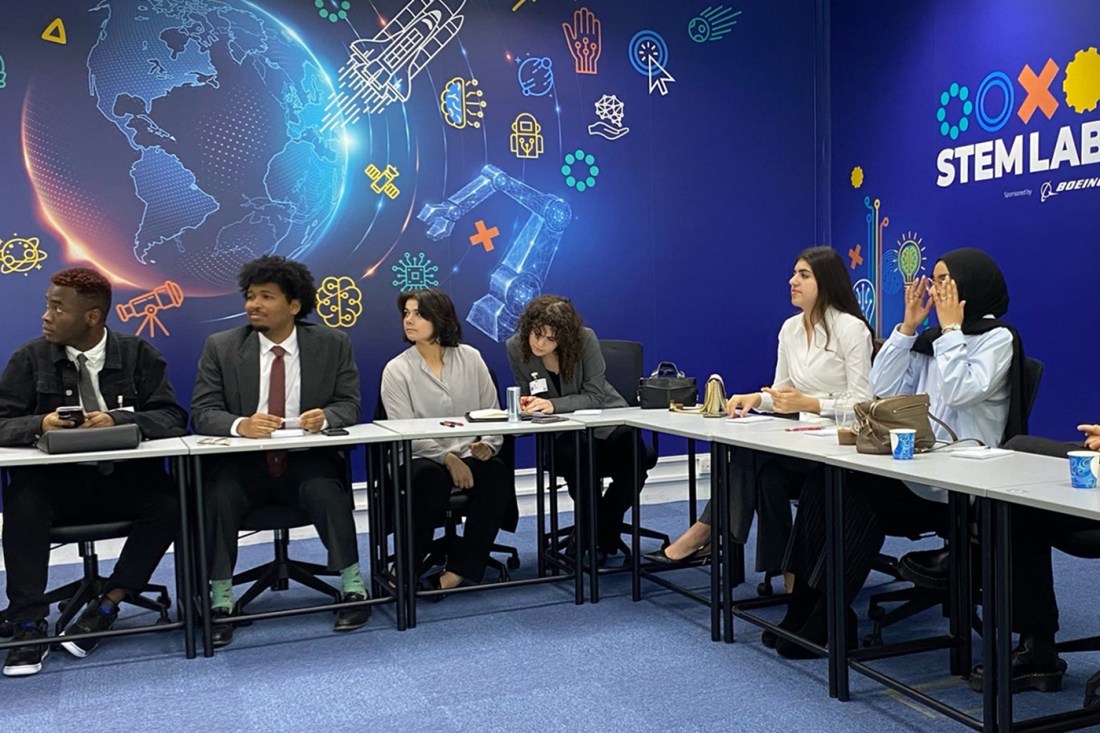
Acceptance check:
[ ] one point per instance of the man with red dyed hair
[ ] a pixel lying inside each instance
(117, 379)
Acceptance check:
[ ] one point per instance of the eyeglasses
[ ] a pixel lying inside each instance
(215, 441)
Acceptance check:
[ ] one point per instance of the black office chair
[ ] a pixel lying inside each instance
(623, 362)
(916, 599)
(456, 509)
(277, 574)
(71, 598)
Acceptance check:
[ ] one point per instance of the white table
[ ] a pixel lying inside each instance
(172, 448)
(408, 430)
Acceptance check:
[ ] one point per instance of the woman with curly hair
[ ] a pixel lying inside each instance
(559, 368)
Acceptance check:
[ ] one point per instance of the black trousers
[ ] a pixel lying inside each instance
(489, 500)
(1034, 533)
(764, 484)
(873, 508)
(314, 480)
(613, 460)
(41, 497)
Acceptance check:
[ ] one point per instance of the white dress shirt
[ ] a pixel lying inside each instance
(292, 370)
(821, 370)
(96, 357)
(966, 380)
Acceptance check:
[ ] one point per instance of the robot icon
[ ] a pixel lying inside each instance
(526, 139)
(519, 276)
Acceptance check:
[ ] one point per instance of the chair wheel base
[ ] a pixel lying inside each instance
(764, 589)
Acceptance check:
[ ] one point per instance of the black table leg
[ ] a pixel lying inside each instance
(407, 545)
(836, 604)
(202, 567)
(730, 558)
(1002, 617)
(591, 493)
(184, 559)
(989, 629)
(635, 529)
(717, 551)
(693, 514)
(540, 492)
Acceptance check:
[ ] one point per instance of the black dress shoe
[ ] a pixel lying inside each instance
(803, 600)
(1035, 666)
(816, 629)
(431, 582)
(1092, 691)
(658, 557)
(926, 569)
(221, 633)
(350, 619)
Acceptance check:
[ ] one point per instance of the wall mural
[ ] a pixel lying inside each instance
(493, 148)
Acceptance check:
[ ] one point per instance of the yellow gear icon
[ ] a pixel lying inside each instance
(1082, 82)
(857, 177)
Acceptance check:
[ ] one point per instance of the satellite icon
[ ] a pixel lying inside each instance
(162, 297)
(379, 70)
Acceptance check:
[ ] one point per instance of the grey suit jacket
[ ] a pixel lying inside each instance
(587, 390)
(227, 385)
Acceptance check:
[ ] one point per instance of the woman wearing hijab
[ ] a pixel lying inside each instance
(971, 367)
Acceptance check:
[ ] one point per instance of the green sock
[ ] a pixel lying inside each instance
(353, 580)
(221, 595)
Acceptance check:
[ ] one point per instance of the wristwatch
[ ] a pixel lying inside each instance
(950, 327)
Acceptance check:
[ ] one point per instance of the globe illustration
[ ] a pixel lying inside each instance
(193, 145)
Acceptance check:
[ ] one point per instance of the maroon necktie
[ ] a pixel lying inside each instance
(276, 405)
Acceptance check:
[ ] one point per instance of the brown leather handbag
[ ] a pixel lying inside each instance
(876, 418)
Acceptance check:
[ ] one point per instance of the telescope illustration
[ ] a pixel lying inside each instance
(148, 305)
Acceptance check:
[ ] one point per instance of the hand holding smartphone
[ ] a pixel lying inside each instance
(73, 413)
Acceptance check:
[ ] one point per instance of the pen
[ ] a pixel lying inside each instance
(803, 429)
(450, 424)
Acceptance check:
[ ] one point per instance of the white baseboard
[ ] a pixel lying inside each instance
(667, 482)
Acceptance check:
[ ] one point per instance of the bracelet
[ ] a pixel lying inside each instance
(950, 327)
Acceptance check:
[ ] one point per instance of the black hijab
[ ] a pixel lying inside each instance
(982, 285)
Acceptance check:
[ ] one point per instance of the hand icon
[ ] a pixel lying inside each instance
(584, 40)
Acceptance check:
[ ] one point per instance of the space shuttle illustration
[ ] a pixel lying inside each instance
(379, 70)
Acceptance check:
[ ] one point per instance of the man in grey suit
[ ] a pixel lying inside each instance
(278, 371)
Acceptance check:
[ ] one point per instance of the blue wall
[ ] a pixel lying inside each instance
(170, 149)
(891, 63)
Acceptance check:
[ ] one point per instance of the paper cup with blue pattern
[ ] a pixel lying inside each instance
(902, 443)
(1084, 466)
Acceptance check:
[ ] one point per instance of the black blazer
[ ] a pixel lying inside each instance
(227, 385)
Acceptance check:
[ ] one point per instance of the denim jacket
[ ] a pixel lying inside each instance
(39, 378)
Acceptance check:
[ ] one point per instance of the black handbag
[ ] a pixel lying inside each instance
(666, 385)
(76, 440)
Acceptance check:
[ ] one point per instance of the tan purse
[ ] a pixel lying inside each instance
(714, 400)
(875, 419)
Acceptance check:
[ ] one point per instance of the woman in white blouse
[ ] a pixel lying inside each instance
(824, 350)
(439, 376)
(971, 367)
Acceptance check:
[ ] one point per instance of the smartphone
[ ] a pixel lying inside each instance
(334, 431)
(72, 412)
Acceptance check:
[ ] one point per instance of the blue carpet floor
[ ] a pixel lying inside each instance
(523, 659)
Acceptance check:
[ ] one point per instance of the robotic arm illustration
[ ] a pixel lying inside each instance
(519, 276)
